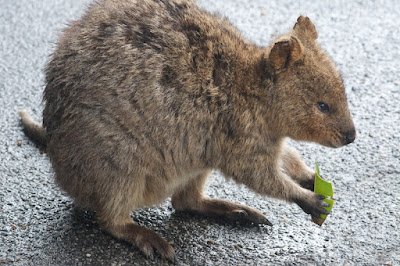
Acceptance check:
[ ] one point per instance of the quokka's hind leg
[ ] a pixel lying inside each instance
(191, 198)
(145, 239)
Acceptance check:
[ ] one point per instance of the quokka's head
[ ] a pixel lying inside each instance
(312, 99)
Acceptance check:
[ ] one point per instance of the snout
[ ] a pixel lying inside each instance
(349, 136)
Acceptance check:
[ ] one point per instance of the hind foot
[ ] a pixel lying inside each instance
(145, 239)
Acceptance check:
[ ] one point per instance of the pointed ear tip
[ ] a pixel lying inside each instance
(304, 24)
(302, 19)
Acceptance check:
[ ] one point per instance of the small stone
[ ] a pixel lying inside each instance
(88, 255)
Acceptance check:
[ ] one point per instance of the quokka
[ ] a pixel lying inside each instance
(144, 99)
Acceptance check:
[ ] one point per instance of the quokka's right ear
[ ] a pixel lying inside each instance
(284, 53)
(305, 29)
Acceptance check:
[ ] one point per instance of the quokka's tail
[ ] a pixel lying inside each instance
(32, 128)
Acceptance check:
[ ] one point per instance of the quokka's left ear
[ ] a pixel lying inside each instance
(285, 52)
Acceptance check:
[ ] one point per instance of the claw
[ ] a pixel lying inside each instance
(321, 197)
(261, 220)
(267, 222)
(172, 259)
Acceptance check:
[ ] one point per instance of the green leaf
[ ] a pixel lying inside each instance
(323, 187)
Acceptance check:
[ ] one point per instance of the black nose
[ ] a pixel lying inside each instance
(349, 137)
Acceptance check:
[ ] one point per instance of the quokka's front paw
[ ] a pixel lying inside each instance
(308, 183)
(313, 205)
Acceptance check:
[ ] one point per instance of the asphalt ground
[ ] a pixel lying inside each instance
(40, 225)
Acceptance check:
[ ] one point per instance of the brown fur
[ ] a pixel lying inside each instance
(145, 98)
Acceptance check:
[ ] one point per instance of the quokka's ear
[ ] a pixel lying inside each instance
(284, 53)
(304, 29)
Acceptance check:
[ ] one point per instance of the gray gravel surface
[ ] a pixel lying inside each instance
(39, 224)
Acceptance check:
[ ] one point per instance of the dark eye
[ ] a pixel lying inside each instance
(323, 107)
